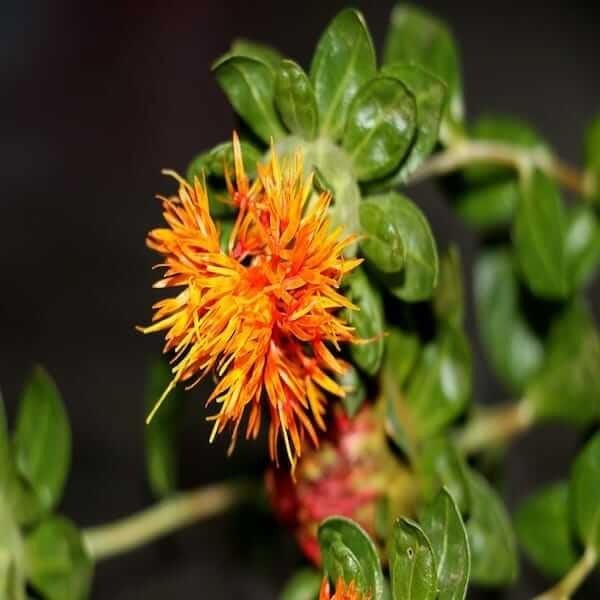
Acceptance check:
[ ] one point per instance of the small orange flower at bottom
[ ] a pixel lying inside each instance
(263, 316)
(343, 591)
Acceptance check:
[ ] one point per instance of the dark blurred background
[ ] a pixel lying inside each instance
(96, 97)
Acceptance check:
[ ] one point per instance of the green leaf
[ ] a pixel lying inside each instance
(430, 94)
(448, 302)
(543, 530)
(161, 434)
(539, 236)
(12, 577)
(412, 563)
(348, 552)
(585, 493)
(381, 126)
(250, 86)
(42, 445)
(440, 387)
(490, 205)
(356, 391)
(582, 246)
(491, 538)
(513, 348)
(402, 351)
(58, 564)
(217, 160)
(344, 60)
(592, 157)
(419, 276)
(568, 385)
(417, 37)
(303, 585)
(6, 473)
(225, 229)
(446, 531)
(367, 320)
(295, 100)
(256, 50)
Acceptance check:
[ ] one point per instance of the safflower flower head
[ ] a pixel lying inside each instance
(343, 591)
(263, 314)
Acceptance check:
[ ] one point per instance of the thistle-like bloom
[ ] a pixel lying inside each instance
(343, 591)
(263, 315)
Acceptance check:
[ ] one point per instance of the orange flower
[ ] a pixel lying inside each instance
(342, 591)
(261, 316)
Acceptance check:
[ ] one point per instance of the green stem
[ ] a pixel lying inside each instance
(565, 588)
(492, 426)
(163, 518)
(464, 152)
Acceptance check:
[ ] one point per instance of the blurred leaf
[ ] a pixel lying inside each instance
(543, 529)
(489, 205)
(161, 434)
(257, 50)
(568, 385)
(418, 278)
(381, 126)
(494, 559)
(582, 246)
(250, 86)
(343, 61)
(430, 96)
(225, 229)
(448, 301)
(446, 531)
(511, 345)
(417, 37)
(355, 391)
(12, 579)
(592, 156)
(440, 387)
(295, 100)
(58, 565)
(412, 564)
(303, 585)
(6, 473)
(42, 444)
(368, 321)
(539, 236)
(585, 493)
(348, 552)
(402, 351)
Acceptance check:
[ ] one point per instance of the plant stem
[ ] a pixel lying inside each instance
(565, 588)
(464, 152)
(163, 518)
(494, 425)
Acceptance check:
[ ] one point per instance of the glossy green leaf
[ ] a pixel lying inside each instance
(412, 563)
(295, 100)
(489, 206)
(543, 530)
(494, 558)
(161, 434)
(257, 50)
(380, 129)
(430, 95)
(356, 391)
(539, 236)
(367, 321)
(12, 559)
(42, 444)
(440, 387)
(568, 385)
(344, 60)
(418, 278)
(348, 552)
(592, 157)
(58, 565)
(443, 524)
(250, 86)
(511, 345)
(448, 302)
(303, 585)
(582, 246)
(585, 493)
(217, 160)
(417, 37)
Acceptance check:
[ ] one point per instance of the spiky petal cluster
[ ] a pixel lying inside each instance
(262, 315)
(343, 591)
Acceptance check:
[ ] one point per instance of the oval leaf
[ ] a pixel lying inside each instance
(303, 585)
(257, 50)
(344, 60)
(489, 206)
(582, 246)
(381, 125)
